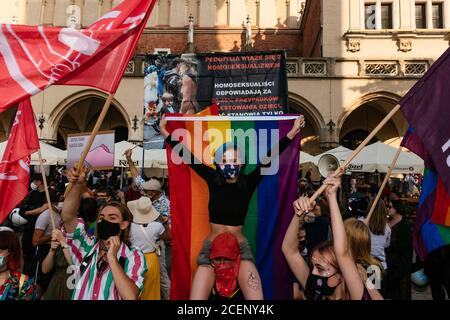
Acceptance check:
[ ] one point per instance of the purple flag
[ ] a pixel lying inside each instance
(427, 108)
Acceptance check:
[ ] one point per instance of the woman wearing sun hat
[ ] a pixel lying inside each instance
(147, 229)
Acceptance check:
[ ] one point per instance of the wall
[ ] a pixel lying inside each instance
(224, 39)
(311, 30)
(344, 34)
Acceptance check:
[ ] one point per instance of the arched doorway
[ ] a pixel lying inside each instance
(357, 122)
(82, 115)
(314, 122)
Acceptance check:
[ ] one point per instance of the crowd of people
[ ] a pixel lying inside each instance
(103, 241)
(44, 253)
(380, 244)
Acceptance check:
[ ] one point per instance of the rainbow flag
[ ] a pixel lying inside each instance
(431, 230)
(429, 234)
(270, 210)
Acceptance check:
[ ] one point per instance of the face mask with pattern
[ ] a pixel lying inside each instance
(230, 171)
(317, 287)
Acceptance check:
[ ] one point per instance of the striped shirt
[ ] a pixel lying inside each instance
(96, 285)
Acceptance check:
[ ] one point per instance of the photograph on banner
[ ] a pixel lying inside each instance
(240, 83)
(101, 154)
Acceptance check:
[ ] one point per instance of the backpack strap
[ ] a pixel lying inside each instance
(88, 259)
(85, 263)
(152, 243)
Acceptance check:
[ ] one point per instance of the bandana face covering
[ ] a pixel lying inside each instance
(226, 277)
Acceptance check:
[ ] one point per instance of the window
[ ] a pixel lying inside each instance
(370, 16)
(161, 51)
(421, 20)
(386, 16)
(437, 16)
(369, 13)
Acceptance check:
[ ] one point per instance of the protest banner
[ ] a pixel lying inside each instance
(100, 155)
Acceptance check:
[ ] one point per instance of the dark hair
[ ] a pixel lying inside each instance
(10, 242)
(308, 190)
(54, 196)
(126, 216)
(174, 63)
(102, 189)
(37, 177)
(129, 181)
(324, 207)
(88, 209)
(399, 206)
(378, 220)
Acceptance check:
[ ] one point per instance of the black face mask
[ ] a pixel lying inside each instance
(100, 202)
(106, 229)
(317, 287)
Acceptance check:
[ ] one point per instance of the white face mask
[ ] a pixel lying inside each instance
(60, 206)
(2, 261)
(33, 186)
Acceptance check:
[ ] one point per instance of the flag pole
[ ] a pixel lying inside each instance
(88, 146)
(358, 150)
(47, 194)
(388, 174)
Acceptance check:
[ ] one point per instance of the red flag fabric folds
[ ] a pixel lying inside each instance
(35, 57)
(15, 165)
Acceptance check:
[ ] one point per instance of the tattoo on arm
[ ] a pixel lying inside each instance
(253, 281)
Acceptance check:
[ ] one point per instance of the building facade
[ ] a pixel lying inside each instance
(349, 61)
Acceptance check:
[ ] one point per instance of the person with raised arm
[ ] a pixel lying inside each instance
(335, 274)
(110, 268)
(230, 193)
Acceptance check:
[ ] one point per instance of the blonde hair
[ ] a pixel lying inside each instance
(167, 96)
(186, 67)
(378, 219)
(358, 241)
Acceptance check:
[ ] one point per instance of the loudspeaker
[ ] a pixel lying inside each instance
(327, 163)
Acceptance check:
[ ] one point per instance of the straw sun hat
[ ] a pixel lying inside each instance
(143, 210)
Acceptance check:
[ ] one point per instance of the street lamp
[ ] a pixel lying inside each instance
(41, 121)
(135, 122)
(331, 126)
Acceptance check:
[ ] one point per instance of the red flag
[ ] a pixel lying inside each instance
(15, 165)
(35, 57)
